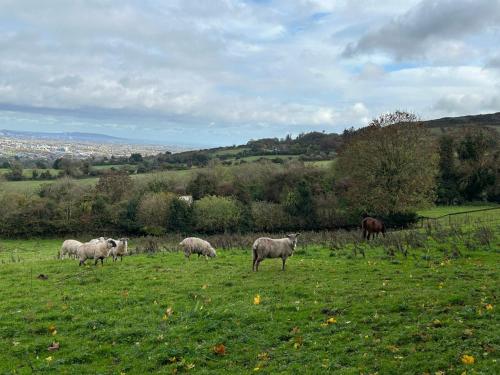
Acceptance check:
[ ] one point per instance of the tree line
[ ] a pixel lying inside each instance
(388, 169)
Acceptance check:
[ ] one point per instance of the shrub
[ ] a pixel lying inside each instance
(270, 217)
(153, 212)
(216, 214)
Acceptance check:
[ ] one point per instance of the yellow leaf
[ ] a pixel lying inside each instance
(49, 359)
(256, 369)
(468, 359)
(204, 286)
(489, 307)
(331, 320)
(256, 299)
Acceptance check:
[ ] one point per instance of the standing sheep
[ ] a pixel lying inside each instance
(97, 240)
(197, 246)
(120, 250)
(69, 248)
(95, 251)
(265, 247)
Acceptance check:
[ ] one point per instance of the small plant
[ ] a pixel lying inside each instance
(484, 235)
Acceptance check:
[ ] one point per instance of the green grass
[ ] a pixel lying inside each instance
(30, 186)
(445, 210)
(393, 315)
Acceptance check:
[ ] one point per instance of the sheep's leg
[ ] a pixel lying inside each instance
(102, 261)
(257, 262)
(253, 263)
(121, 258)
(283, 266)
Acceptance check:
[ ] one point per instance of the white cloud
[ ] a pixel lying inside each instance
(230, 70)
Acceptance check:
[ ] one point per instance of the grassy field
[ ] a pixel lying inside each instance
(432, 311)
(445, 210)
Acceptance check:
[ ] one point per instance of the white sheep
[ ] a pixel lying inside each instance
(265, 247)
(198, 246)
(97, 240)
(120, 250)
(69, 248)
(95, 251)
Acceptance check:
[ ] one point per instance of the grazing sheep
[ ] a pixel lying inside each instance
(69, 248)
(120, 250)
(265, 247)
(95, 251)
(97, 240)
(197, 246)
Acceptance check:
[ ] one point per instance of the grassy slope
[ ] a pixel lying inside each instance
(401, 316)
(32, 186)
(445, 210)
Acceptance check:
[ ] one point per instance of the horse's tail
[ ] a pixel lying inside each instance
(363, 224)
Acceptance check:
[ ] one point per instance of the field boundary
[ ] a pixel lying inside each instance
(422, 218)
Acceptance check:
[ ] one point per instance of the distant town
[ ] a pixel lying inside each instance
(29, 146)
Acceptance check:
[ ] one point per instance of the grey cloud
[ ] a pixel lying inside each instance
(428, 23)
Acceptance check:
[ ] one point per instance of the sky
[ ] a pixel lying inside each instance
(221, 72)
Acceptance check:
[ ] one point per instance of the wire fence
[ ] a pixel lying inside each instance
(464, 217)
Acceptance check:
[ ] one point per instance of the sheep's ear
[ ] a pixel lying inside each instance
(298, 234)
(113, 243)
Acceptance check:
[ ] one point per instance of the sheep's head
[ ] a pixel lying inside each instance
(110, 243)
(212, 253)
(293, 238)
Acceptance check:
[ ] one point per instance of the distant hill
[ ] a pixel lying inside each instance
(308, 147)
(488, 120)
(66, 136)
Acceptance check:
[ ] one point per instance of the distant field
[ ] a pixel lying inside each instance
(444, 210)
(31, 186)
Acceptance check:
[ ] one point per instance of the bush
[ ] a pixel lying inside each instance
(154, 211)
(216, 214)
(270, 217)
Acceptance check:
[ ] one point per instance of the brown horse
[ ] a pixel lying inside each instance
(372, 226)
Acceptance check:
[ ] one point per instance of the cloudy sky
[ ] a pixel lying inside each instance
(223, 71)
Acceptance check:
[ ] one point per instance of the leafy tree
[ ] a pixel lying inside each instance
(180, 216)
(114, 186)
(478, 155)
(391, 165)
(203, 184)
(448, 178)
(136, 158)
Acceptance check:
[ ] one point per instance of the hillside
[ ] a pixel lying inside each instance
(490, 120)
(316, 146)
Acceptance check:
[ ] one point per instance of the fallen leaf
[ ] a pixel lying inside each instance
(489, 307)
(256, 299)
(53, 347)
(264, 356)
(52, 329)
(219, 349)
(468, 359)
